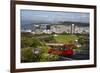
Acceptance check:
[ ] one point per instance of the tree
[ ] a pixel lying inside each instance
(26, 42)
(50, 38)
(47, 57)
(36, 42)
(64, 33)
(27, 55)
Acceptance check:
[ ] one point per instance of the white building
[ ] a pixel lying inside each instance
(80, 29)
(26, 30)
(69, 29)
(60, 28)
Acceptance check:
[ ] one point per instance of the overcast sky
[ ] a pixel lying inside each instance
(35, 16)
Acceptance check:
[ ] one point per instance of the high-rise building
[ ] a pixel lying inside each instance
(72, 28)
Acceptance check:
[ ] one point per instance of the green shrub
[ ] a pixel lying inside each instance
(36, 42)
(26, 42)
(27, 55)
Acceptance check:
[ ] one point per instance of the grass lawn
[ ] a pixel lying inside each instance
(60, 38)
(65, 38)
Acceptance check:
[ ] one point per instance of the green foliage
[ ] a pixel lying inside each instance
(49, 38)
(53, 57)
(27, 55)
(53, 33)
(26, 42)
(36, 42)
(47, 57)
(83, 40)
(26, 34)
(64, 33)
(44, 54)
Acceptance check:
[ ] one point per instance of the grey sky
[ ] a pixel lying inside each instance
(35, 16)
